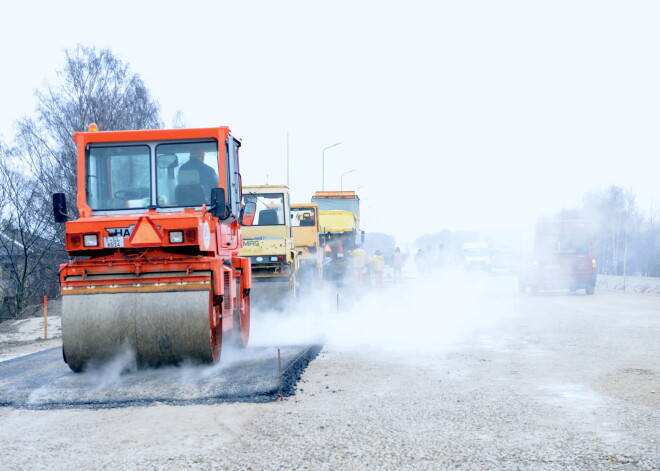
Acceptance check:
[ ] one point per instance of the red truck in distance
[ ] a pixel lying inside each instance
(559, 255)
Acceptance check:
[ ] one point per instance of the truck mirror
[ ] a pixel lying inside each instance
(168, 160)
(59, 208)
(247, 213)
(219, 204)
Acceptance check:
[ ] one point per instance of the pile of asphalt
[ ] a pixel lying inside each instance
(43, 381)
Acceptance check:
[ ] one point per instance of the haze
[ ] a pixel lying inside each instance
(457, 115)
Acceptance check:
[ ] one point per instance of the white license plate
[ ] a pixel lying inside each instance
(113, 242)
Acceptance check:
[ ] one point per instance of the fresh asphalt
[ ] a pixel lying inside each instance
(43, 381)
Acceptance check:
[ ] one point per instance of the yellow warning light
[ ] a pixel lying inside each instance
(92, 127)
(145, 234)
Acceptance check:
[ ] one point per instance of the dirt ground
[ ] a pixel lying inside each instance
(470, 377)
(26, 334)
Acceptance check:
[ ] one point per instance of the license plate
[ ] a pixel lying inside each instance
(113, 242)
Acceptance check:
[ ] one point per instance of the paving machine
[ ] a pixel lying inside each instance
(155, 268)
(268, 242)
(339, 226)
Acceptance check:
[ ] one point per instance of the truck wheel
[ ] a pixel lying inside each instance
(590, 289)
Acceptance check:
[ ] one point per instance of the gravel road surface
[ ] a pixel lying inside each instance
(448, 372)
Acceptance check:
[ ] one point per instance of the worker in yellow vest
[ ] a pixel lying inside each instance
(359, 263)
(378, 266)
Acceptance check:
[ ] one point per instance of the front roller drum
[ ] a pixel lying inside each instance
(159, 328)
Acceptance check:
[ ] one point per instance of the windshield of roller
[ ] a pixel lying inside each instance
(186, 173)
(303, 217)
(269, 209)
(118, 177)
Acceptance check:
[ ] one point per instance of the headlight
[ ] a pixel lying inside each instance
(273, 259)
(259, 259)
(90, 240)
(176, 237)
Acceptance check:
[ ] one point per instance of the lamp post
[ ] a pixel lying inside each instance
(323, 165)
(341, 179)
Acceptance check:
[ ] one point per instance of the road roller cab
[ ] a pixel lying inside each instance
(268, 242)
(156, 266)
(305, 229)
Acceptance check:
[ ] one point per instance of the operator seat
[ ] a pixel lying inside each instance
(189, 192)
(268, 217)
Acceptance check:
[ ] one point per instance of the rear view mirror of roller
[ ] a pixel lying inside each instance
(219, 203)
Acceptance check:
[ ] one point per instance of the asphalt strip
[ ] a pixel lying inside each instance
(43, 381)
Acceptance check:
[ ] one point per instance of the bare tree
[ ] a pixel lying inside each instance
(178, 121)
(613, 213)
(28, 248)
(93, 86)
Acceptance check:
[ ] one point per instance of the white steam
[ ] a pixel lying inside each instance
(418, 314)
(109, 372)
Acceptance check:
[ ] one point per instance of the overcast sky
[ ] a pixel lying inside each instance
(453, 114)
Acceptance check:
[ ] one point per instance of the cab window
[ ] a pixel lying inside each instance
(269, 208)
(118, 177)
(303, 217)
(186, 173)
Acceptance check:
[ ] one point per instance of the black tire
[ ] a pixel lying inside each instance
(590, 289)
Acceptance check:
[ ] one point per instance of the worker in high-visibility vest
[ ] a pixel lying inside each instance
(378, 266)
(359, 263)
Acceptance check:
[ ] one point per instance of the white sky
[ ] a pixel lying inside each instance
(454, 114)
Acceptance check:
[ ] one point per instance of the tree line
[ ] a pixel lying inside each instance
(627, 241)
(93, 86)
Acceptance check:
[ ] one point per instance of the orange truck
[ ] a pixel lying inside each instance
(155, 269)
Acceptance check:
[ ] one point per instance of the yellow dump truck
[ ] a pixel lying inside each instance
(339, 229)
(268, 242)
(305, 227)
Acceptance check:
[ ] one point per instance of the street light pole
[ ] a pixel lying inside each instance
(341, 179)
(323, 165)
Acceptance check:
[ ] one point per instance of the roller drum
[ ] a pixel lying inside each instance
(161, 328)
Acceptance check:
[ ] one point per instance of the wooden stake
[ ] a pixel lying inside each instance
(45, 317)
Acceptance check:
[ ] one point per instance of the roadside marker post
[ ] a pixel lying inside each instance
(45, 317)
